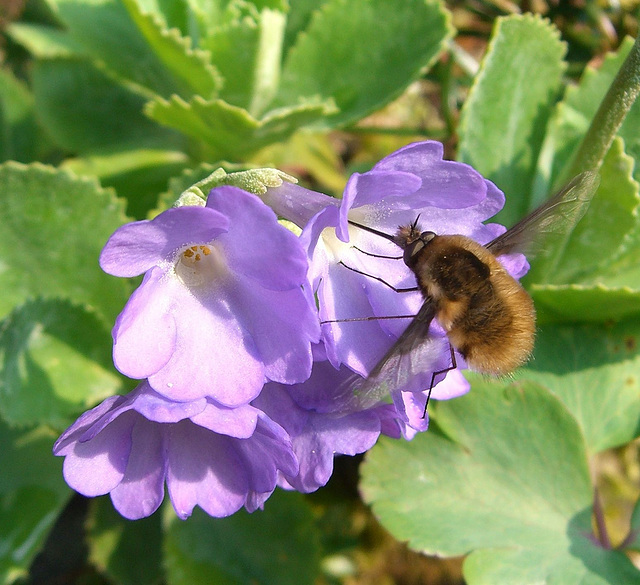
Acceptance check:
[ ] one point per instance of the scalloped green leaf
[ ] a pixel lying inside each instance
(136, 175)
(600, 235)
(402, 39)
(504, 119)
(575, 112)
(247, 50)
(229, 132)
(53, 228)
(32, 493)
(590, 303)
(55, 360)
(216, 551)
(191, 67)
(136, 48)
(594, 369)
(87, 111)
(502, 473)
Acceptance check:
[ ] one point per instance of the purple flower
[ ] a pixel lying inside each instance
(319, 427)
(221, 309)
(208, 455)
(352, 271)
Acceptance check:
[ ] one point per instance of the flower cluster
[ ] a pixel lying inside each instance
(248, 339)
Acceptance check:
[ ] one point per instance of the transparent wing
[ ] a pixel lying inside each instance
(406, 359)
(556, 216)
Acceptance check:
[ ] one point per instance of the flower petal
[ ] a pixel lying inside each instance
(141, 490)
(256, 245)
(135, 247)
(144, 334)
(211, 476)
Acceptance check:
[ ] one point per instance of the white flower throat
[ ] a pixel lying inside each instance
(201, 265)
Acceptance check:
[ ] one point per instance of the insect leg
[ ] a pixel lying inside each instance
(376, 255)
(453, 366)
(399, 290)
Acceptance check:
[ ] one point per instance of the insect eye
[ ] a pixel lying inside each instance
(426, 237)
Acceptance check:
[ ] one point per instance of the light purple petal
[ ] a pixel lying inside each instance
(135, 247)
(239, 422)
(256, 245)
(96, 467)
(155, 407)
(445, 184)
(145, 332)
(214, 356)
(282, 327)
(211, 476)
(296, 203)
(67, 440)
(326, 436)
(141, 490)
(373, 187)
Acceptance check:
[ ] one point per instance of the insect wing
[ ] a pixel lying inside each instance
(407, 363)
(556, 217)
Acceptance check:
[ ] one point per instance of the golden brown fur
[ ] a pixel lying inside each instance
(488, 316)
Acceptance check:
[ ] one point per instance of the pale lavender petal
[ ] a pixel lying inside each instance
(210, 476)
(155, 407)
(239, 422)
(287, 354)
(446, 184)
(136, 247)
(271, 254)
(145, 332)
(96, 467)
(373, 187)
(326, 436)
(214, 356)
(141, 490)
(453, 385)
(67, 440)
(296, 203)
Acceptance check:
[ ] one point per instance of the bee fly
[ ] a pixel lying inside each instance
(487, 315)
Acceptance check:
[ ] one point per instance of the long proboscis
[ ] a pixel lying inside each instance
(374, 231)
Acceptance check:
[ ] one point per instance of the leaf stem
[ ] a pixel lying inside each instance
(610, 115)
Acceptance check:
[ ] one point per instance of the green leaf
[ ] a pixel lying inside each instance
(247, 49)
(584, 303)
(503, 472)
(129, 552)
(191, 69)
(32, 493)
(229, 132)
(20, 138)
(600, 234)
(276, 546)
(87, 111)
(136, 175)
(504, 119)
(54, 226)
(45, 42)
(55, 360)
(594, 370)
(137, 47)
(328, 60)
(574, 113)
